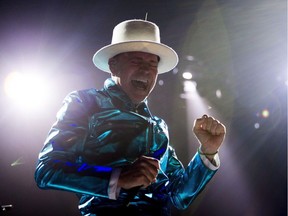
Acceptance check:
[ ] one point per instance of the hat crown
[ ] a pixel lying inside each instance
(136, 35)
(135, 30)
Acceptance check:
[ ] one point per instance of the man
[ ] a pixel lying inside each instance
(111, 151)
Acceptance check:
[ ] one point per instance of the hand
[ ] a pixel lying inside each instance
(142, 172)
(210, 133)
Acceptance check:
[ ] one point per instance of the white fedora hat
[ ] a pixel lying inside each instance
(136, 35)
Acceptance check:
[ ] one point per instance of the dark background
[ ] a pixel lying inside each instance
(238, 47)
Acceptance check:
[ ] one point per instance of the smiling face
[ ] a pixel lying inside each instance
(136, 73)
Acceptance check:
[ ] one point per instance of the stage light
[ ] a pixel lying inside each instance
(190, 58)
(218, 93)
(189, 86)
(27, 90)
(187, 75)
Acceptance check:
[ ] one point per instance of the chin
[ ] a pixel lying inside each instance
(138, 100)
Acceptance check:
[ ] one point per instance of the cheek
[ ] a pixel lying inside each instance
(153, 84)
(155, 78)
(124, 82)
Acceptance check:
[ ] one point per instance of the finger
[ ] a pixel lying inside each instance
(220, 129)
(146, 177)
(153, 161)
(147, 167)
(198, 123)
(207, 123)
(214, 126)
(137, 177)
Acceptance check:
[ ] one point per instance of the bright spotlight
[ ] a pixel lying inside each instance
(26, 90)
(218, 93)
(12, 82)
(189, 86)
(187, 75)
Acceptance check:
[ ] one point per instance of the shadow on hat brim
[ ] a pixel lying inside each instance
(168, 57)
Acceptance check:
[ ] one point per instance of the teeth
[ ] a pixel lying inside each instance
(142, 80)
(140, 83)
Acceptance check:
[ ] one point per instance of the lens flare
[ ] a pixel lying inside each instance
(265, 113)
(26, 90)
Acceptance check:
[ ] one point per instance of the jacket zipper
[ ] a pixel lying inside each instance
(150, 137)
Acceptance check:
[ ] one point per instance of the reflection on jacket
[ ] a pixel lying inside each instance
(98, 130)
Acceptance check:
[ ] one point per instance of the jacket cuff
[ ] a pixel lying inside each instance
(208, 163)
(113, 190)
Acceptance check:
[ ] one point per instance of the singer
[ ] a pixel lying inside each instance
(107, 147)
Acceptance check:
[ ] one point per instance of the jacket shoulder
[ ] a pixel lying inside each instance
(87, 96)
(89, 99)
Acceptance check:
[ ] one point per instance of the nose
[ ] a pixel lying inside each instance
(145, 67)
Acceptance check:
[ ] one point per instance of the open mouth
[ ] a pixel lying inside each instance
(140, 84)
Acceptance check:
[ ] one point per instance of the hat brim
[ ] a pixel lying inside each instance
(168, 57)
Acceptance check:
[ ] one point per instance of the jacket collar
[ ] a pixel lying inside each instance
(121, 100)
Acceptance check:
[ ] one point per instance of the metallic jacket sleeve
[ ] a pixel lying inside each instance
(186, 183)
(60, 164)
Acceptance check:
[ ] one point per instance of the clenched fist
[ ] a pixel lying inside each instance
(142, 173)
(210, 133)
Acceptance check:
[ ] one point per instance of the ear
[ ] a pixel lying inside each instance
(112, 65)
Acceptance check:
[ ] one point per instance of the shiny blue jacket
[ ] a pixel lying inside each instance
(98, 130)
